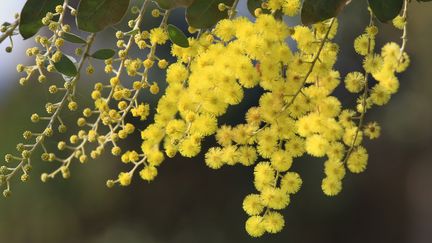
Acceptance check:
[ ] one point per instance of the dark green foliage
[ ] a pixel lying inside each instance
(66, 66)
(205, 13)
(177, 36)
(103, 54)
(386, 10)
(32, 14)
(96, 15)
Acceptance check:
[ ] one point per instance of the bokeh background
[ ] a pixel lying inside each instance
(188, 202)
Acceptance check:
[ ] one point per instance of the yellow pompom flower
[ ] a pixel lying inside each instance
(291, 182)
(275, 4)
(391, 52)
(291, 7)
(281, 160)
(399, 22)
(142, 111)
(229, 155)
(373, 63)
(380, 95)
(316, 145)
(225, 30)
(189, 147)
(176, 128)
(355, 82)
(155, 157)
(372, 130)
(353, 136)
(252, 204)
(176, 73)
(254, 226)
(273, 222)
(204, 125)
(224, 135)
(331, 186)
(336, 151)
(363, 44)
(264, 175)
(125, 178)
(247, 155)
(274, 198)
(158, 36)
(333, 168)
(357, 161)
(148, 173)
(295, 146)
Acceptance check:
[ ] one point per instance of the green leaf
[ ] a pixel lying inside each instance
(103, 54)
(72, 38)
(66, 66)
(177, 36)
(386, 10)
(314, 11)
(205, 13)
(95, 15)
(32, 14)
(170, 4)
(132, 32)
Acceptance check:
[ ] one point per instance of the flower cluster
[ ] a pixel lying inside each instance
(298, 114)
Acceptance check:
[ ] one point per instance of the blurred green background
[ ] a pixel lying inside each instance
(188, 202)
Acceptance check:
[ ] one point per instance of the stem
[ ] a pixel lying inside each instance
(405, 30)
(233, 9)
(10, 30)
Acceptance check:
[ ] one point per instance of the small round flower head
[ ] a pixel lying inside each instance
(372, 130)
(155, 13)
(73, 106)
(148, 173)
(158, 36)
(162, 64)
(331, 186)
(254, 226)
(357, 161)
(273, 222)
(291, 182)
(154, 88)
(316, 145)
(189, 147)
(155, 157)
(353, 136)
(373, 63)
(125, 178)
(213, 158)
(333, 168)
(252, 204)
(399, 22)
(116, 151)
(363, 44)
(380, 95)
(264, 173)
(291, 7)
(281, 160)
(354, 82)
(274, 198)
